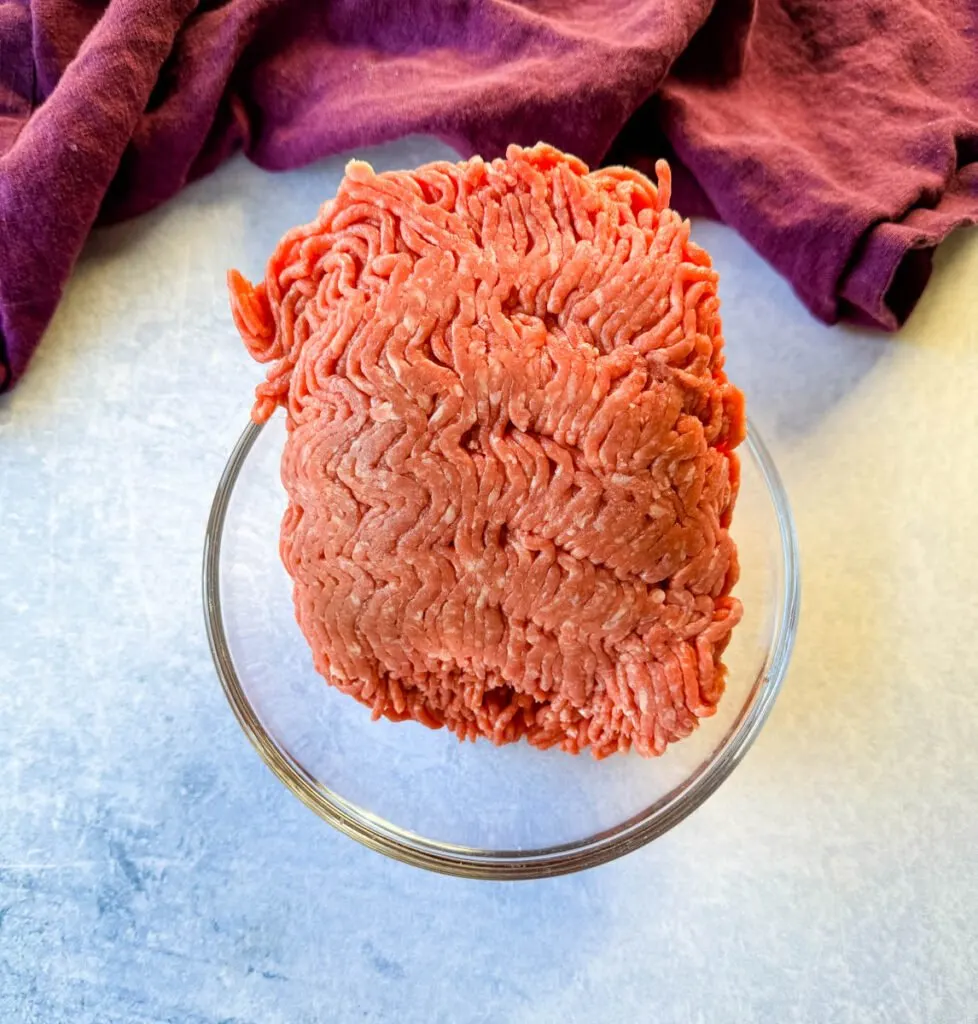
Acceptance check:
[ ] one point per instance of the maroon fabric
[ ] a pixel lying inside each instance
(840, 137)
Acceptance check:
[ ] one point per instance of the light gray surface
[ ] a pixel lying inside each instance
(152, 869)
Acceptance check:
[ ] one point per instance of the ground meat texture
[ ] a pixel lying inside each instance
(509, 462)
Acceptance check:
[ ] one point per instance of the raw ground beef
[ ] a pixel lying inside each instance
(510, 459)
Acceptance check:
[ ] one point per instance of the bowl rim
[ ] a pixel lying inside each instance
(409, 847)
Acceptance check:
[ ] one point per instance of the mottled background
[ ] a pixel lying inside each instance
(151, 867)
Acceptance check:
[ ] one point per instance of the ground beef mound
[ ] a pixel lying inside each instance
(509, 458)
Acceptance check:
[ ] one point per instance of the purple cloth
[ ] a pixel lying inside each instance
(840, 137)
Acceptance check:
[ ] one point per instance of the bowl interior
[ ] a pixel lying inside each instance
(406, 779)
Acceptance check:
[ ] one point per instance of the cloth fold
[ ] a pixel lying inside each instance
(840, 137)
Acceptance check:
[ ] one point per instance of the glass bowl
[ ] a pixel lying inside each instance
(473, 809)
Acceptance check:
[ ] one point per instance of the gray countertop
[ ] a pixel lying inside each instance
(152, 868)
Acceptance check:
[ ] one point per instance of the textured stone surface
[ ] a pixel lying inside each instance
(152, 869)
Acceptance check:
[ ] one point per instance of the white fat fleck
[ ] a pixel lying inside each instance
(450, 514)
